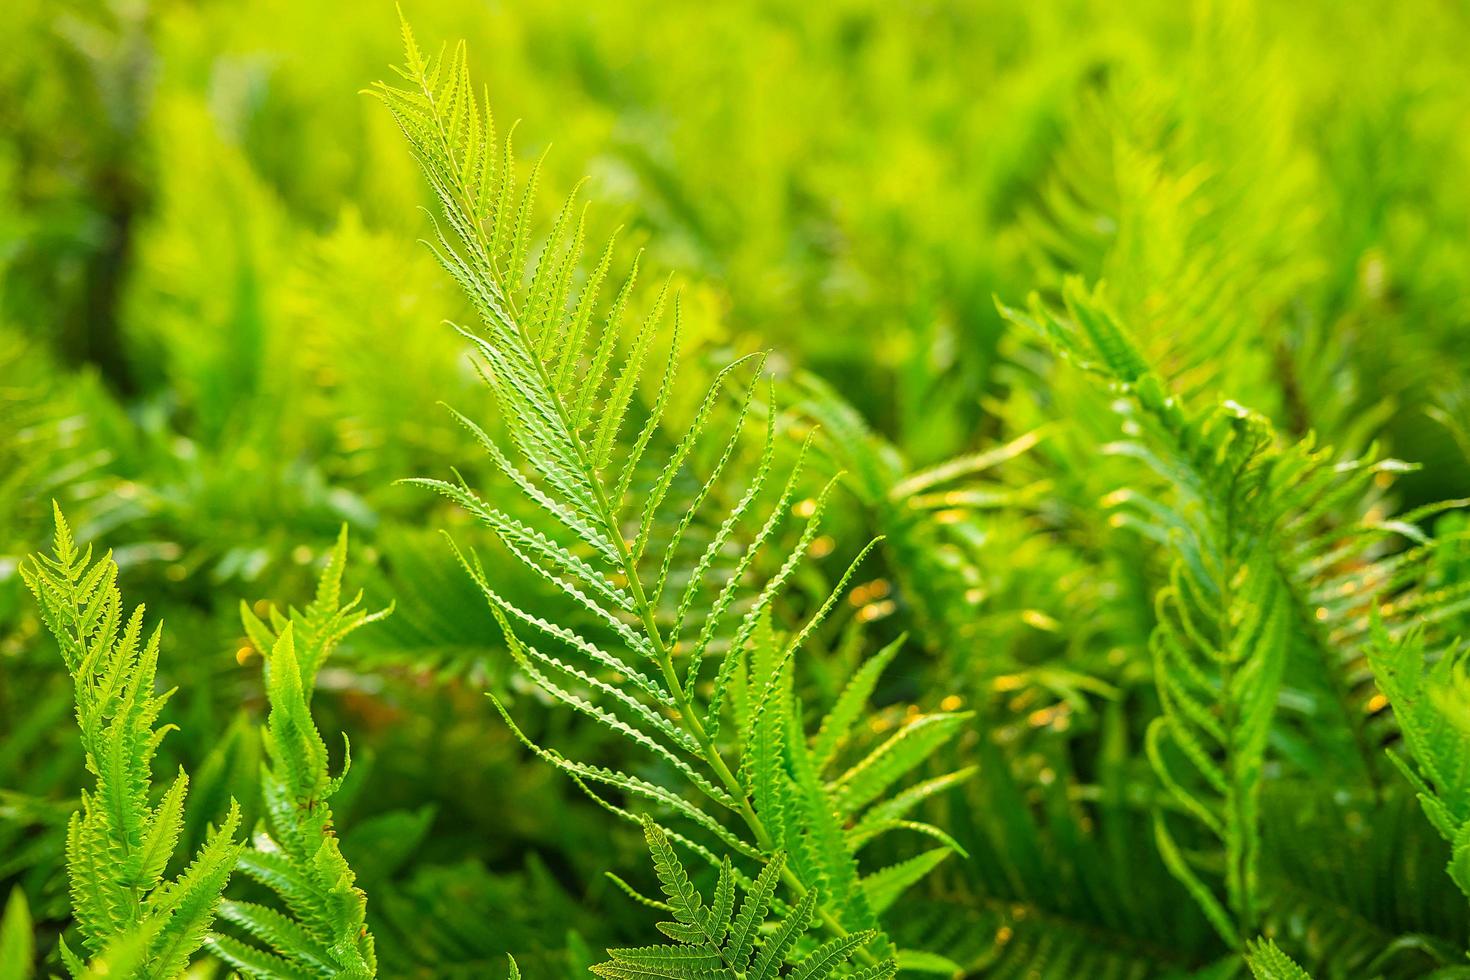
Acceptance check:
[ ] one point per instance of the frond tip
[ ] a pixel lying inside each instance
(1268, 962)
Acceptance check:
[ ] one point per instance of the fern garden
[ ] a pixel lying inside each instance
(952, 490)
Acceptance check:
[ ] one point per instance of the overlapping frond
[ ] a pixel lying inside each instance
(121, 842)
(932, 518)
(1220, 642)
(829, 795)
(1431, 702)
(320, 929)
(712, 940)
(1335, 555)
(1263, 561)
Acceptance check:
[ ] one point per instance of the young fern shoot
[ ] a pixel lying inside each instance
(133, 920)
(636, 662)
(322, 930)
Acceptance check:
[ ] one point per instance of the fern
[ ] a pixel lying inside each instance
(1267, 962)
(715, 941)
(1431, 702)
(1220, 643)
(125, 955)
(927, 516)
(636, 664)
(322, 930)
(119, 844)
(1260, 565)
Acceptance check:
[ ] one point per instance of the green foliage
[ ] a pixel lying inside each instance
(323, 930)
(1431, 702)
(930, 517)
(718, 941)
(838, 571)
(17, 945)
(565, 421)
(1256, 560)
(1220, 643)
(1268, 962)
(119, 845)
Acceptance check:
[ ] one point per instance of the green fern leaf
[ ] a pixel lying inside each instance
(118, 846)
(323, 932)
(1268, 962)
(708, 944)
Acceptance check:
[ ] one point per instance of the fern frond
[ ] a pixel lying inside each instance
(1431, 702)
(708, 943)
(1242, 515)
(565, 414)
(128, 954)
(1268, 962)
(118, 845)
(322, 931)
(1333, 563)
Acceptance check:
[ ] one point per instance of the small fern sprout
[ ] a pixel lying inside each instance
(134, 922)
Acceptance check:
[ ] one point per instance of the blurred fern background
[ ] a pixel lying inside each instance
(221, 339)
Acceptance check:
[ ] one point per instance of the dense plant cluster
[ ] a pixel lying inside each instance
(956, 490)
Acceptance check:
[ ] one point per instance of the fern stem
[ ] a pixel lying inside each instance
(689, 717)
